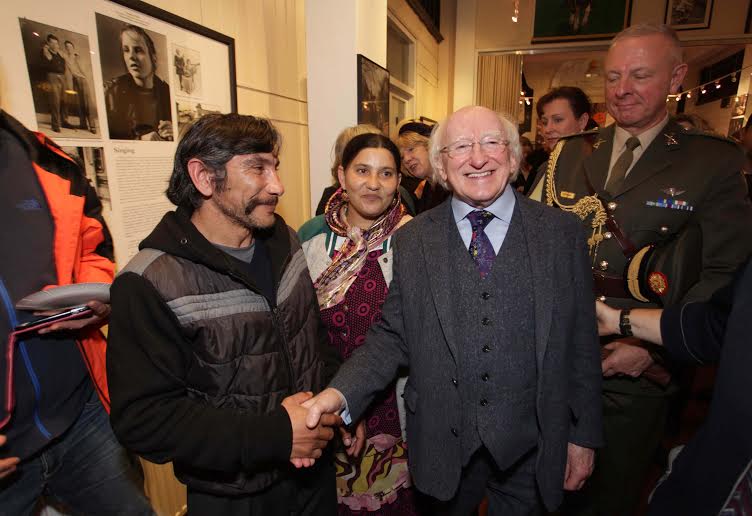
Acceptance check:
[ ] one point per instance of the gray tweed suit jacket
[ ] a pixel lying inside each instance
(416, 331)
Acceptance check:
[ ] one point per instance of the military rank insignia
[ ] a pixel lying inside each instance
(674, 204)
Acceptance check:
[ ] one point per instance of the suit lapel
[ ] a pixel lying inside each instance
(541, 265)
(597, 164)
(655, 158)
(437, 264)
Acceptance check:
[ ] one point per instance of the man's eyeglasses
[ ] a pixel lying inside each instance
(463, 148)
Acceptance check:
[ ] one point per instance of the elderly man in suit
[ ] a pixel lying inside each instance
(643, 182)
(491, 310)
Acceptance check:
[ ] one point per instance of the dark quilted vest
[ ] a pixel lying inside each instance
(248, 353)
(496, 358)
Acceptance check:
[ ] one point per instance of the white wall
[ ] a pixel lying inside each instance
(336, 31)
(271, 74)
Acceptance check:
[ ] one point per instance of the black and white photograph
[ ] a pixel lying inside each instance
(688, 14)
(373, 94)
(91, 160)
(187, 67)
(60, 75)
(134, 68)
(189, 112)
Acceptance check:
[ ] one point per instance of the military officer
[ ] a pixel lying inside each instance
(640, 182)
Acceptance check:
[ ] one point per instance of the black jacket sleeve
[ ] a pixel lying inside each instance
(151, 412)
(694, 332)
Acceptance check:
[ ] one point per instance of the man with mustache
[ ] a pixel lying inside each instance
(215, 329)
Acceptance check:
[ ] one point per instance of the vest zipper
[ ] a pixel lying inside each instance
(26, 360)
(274, 311)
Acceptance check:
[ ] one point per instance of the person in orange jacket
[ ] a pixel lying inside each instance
(57, 440)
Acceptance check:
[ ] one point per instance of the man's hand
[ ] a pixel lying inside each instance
(354, 444)
(579, 466)
(307, 443)
(8, 465)
(328, 401)
(99, 317)
(608, 318)
(626, 358)
(164, 129)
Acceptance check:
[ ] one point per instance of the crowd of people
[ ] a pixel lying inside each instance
(467, 321)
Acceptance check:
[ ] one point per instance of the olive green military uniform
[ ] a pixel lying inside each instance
(682, 179)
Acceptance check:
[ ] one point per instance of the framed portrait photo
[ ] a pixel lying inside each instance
(577, 20)
(688, 14)
(373, 94)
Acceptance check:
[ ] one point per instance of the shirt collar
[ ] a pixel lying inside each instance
(502, 208)
(646, 138)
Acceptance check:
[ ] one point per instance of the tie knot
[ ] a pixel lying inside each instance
(632, 143)
(479, 218)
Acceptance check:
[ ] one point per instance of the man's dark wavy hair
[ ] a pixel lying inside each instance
(215, 139)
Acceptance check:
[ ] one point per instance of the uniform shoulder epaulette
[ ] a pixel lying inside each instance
(706, 134)
(590, 132)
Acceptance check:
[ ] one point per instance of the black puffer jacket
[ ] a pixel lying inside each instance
(199, 360)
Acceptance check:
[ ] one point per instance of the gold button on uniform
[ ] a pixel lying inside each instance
(603, 265)
(611, 206)
(607, 235)
(664, 229)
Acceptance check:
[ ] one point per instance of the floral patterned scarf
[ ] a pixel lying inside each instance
(333, 283)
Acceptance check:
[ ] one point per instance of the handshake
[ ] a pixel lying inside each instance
(313, 420)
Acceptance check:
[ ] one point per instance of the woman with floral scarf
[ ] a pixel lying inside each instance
(349, 255)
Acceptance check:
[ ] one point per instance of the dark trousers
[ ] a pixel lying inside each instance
(511, 492)
(85, 470)
(306, 492)
(633, 427)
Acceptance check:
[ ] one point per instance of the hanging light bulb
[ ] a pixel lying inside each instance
(678, 97)
(703, 91)
(520, 101)
(527, 101)
(689, 94)
(733, 77)
(516, 14)
(717, 85)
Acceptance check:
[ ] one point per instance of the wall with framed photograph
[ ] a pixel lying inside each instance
(688, 14)
(373, 94)
(106, 79)
(557, 21)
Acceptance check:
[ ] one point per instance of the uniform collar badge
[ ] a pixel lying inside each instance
(670, 139)
(598, 143)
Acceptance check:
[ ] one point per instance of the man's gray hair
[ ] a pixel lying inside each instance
(652, 29)
(509, 132)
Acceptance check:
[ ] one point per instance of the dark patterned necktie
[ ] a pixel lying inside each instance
(480, 248)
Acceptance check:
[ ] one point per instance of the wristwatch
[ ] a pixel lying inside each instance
(625, 327)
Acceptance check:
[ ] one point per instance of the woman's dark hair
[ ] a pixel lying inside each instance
(370, 141)
(149, 42)
(578, 100)
(215, 139)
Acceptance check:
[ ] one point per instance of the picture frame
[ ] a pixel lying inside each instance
(736, 124)
(183, 23)
(688, 14)
(556, 21)
(373, 94)
(75, 74)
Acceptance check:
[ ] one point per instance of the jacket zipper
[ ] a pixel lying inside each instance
(275, 319)
(26, 360)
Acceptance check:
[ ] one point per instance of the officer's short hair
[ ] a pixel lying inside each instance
(652, 29)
